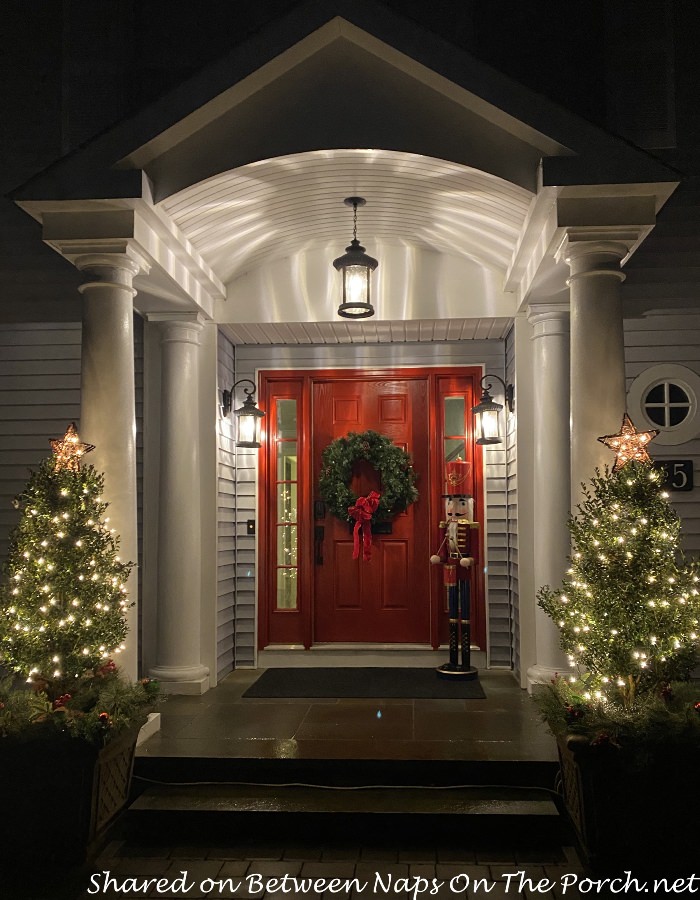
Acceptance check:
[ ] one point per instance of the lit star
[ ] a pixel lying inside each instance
(69, 450)
(628, 444)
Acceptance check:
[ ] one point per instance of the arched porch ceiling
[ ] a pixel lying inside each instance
(278, 207)
(450, 226)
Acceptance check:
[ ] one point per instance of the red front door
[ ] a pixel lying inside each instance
(311, 590)
(385, 599)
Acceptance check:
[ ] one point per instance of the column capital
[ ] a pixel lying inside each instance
(592, 258)
(590, 254)
(175, 327)
(184, 316)
(548, 318)
(110, 270)
(577, 246)
(90, 262)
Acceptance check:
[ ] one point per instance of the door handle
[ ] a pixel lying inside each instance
(319, 532)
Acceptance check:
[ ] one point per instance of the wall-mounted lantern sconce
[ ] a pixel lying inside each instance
(356, 268)
(486, 411)
(248, 417)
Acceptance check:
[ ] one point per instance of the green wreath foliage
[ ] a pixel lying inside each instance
(398, 480)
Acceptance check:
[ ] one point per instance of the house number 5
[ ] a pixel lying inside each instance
(679, 474)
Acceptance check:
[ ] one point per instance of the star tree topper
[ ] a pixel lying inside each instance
(628, 444)
(69, 449)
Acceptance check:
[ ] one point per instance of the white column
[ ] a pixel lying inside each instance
(598, 396)
(179, 666)
(107, 406)
(552, 489)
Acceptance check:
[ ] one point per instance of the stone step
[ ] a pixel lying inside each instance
(344, 771)
(244, 809)
(457, 801)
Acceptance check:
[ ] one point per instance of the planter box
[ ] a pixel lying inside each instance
(632, 817)
(59, 796)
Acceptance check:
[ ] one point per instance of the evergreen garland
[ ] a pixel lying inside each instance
(99, 708)
(397, 478)
(655, 725)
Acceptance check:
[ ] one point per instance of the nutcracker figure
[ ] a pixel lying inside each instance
(454, 553)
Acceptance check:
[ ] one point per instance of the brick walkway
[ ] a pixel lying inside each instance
(257, 870)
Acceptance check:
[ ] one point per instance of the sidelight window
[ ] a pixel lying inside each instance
(286, 488)
(454, 430)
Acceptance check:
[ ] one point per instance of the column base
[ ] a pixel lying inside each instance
(182, 679)
(151, 727)
(538, 675)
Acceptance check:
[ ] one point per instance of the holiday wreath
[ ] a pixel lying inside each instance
(398, 480)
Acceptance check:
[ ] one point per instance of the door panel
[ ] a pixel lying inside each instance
(385, 599)
(346, 576)
(395, 585)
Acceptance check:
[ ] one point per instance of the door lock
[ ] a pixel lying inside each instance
(319, 532)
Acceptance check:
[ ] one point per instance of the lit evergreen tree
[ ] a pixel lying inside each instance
(629, 609)
(64, 593)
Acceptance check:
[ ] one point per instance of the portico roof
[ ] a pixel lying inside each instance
(247, 164)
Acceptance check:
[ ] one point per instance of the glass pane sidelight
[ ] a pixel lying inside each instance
(287, 419)
(286, 460)
(286, 545)
(455, 446)
(286, 503)
(286, 589)
(286, 469)
(454, 416)
(454, 440)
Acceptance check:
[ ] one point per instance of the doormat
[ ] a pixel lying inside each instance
(387, 683)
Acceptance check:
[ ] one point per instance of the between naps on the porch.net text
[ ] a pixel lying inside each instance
(385, 884)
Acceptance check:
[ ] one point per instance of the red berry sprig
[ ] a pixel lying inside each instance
(109, 668)
(61, 701)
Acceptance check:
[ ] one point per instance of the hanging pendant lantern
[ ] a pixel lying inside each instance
(356, 268)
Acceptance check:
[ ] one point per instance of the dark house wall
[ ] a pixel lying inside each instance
(71, 69)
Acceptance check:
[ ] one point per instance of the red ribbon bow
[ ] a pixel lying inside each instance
(362, 512)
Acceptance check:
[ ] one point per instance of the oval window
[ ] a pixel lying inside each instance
(665, 397)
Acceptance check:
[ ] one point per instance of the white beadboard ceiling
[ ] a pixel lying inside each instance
(247, 220)
(248, 217)
(369, 332)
